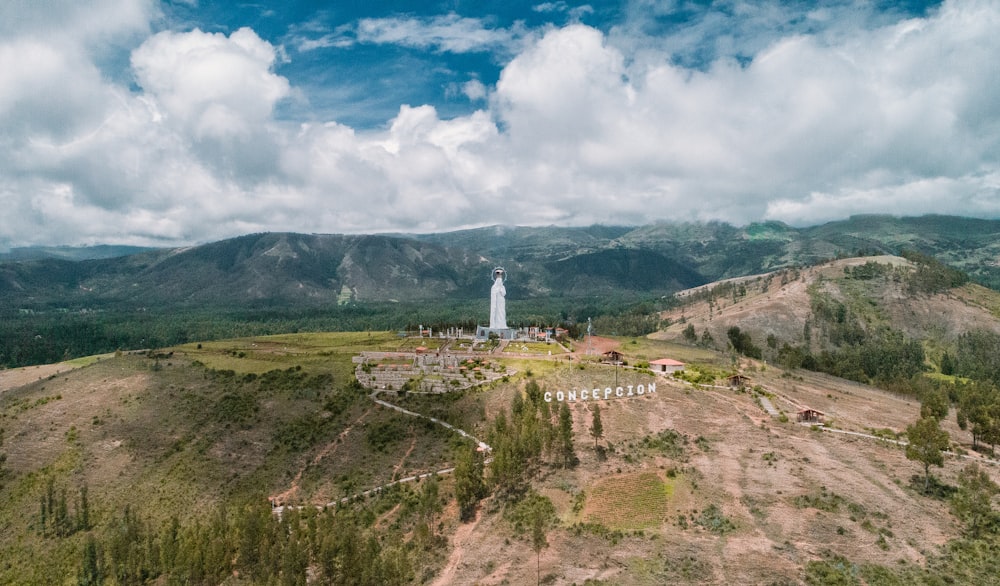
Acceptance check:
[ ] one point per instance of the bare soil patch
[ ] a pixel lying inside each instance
(18, 377)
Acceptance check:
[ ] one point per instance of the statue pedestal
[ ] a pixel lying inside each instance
(483, 333)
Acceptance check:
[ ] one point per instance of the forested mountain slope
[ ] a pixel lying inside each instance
(321, 269)
(54, 308)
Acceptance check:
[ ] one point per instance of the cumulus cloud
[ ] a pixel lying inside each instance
(899, 117)
(809, 116)
(215, 85)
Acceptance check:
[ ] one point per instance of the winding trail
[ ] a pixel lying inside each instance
(279, 500)
(461, 432)
(330, 448)
(399, 466)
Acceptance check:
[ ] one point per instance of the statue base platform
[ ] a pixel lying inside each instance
(483, 333)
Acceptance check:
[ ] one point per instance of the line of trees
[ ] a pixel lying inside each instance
(972, 500)
(56, 518)
(524, 437)
(46, 334)
(979, 412)
(340, 545)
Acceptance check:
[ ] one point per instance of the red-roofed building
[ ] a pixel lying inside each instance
(667, 365)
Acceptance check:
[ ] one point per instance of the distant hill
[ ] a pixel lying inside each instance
(869, 318)
(315, 270)
(311, 270)
(71, 252)
(720, 251)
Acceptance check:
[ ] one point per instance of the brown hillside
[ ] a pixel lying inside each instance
(792, 493)
(779, 304)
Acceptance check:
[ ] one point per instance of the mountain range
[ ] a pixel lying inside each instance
(316, 270)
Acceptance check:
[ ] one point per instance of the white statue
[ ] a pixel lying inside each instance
(498, 295)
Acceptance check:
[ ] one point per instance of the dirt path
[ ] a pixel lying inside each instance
(279, 500)
(330, 448)
(461, 432)
(381, 520)
(458, 545)
(399, 466)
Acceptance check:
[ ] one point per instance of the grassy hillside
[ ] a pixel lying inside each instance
(175, 433)
(826, 312)
(691, 484)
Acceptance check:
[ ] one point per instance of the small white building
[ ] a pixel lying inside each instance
(666, 365)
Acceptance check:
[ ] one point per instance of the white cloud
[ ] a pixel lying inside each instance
(575, 12)
(448, 33)
(975, 195)
(215, 85)
(807, 116)
(474, 90)
(70, 22)
(581, 127)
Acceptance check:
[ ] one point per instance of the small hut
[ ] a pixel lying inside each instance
(738, 381)
(613, 357)
(808, 415)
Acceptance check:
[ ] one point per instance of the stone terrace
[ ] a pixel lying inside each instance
(429, 373)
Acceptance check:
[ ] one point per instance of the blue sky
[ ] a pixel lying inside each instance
(357, 62)
(178, 122)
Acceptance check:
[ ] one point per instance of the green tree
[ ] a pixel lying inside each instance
(539, 521)
(546, 430)
(534, 391)
(743, 343)
(972, 502)
(83, 510)
(531, 518)
(596, 427)
(934, 403)
(975, 411)
(507, 469)
(91, 572)
(690, 335)
(530, 439)
(430, 501)
(947, 364)
(927, 443)
(469, 485)
(566, 435)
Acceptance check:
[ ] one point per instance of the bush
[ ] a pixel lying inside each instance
(714, 521)
(380, 435)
